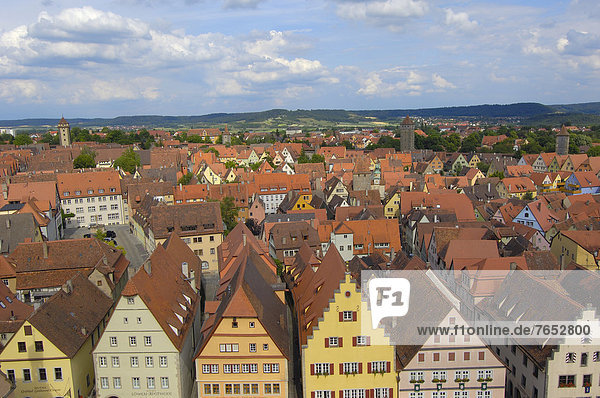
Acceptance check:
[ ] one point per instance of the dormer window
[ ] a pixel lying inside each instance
(90, 191)
(77, 192)
(113, 190)
(101, 190)
(66, 193)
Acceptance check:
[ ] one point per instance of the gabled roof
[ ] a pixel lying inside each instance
(248, 292)
(164, 289)
(72, 314)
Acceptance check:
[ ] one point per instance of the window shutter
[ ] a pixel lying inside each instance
(341, 393)
(326, 342)
(354, 316)
(312, 369)
(368, 367)
(368, 340)
(388, 366)
(312, 394)
(391, 394)
(332, 394)
(360, 368)
(341, 368)
(330, 368)
(367, 393)
(353, 341)
(372, 392)
(341, 342)
(341, 314)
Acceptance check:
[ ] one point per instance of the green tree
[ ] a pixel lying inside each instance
(471, 143)
(128, 161)
(594, 151)
(22, 139)
(85, 160)
(316, 158)
(483, 167)
(231, 164)
(528, 196)
(186, 179)
(499, 174)
(303, 158)
(229, 213)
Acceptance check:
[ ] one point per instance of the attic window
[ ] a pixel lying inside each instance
(101, 190)
(77, 192)
(208, 226)
(189, 227)
(170, 229)
(113, 190)
(90, 191)
(66, 193)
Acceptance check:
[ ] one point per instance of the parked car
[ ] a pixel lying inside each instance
(87, 235)
(111, 234)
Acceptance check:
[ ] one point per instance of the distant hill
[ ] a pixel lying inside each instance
(525, 113)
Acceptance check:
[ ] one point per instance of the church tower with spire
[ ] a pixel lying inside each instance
(562, 141)
(64, 133)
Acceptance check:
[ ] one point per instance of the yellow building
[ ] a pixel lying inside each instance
(580, 247)
(245, 343)
(207, 176)
(50, 354)
(337, 358)
(391, 203)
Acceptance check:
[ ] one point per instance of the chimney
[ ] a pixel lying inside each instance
(180, 187)
(489, 186)
(513, 266)
(105, 260)
(185, 269)
(68, 287)
(4, 190)
(45, 249)
(83, 331)
(244, 239)
(8, 223)
(12, 316)
(148, 267)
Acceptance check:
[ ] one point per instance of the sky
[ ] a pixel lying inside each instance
(193, 57)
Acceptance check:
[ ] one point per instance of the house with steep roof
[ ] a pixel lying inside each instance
(536, 215)
(13, 312)
(272, 188)
(582, 183)
(41, 268)
(244, 345)
(49, 355)
(580, 247)
(337, 356)
(285, 239)
(149, 342)
(516, 187)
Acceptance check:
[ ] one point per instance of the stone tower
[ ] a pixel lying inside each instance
(562, 141)
(64, 133)
(226, 136)
(407, 135)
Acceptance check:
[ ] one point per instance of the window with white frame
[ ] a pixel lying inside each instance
(485, 375)
(347, 316)
(232, 347)
(162, 361)
(132, 341)
(134, 362)
(147, 340)
(461, 394)
(245, 368)
(350, 367)
(150, 382)
(361, 340)
(235, 368)
(382, 393)
(354, 393)
(274, 368)
(214, 368)
(253, 368)
(461, 374)
(417, 375)
(102, 362)
(322, 394)
(439, 375)
(226, 368)
(164, 382)
(135, 382)
(416, 394)
(104, 382)
(378, 366)
(322, 368)
(333, 342)
(149, 362)
(116, 382)
(115, 362)
(484, 394)
(266, 368)
(438, 394)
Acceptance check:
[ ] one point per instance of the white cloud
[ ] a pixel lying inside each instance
(392, 82)
(460, 20)
(242, 3)
(13, 89)
(440, 82)
(391, 13)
